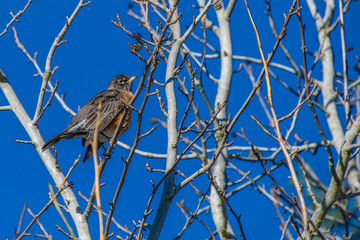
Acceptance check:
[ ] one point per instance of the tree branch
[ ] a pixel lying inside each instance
(49, 161)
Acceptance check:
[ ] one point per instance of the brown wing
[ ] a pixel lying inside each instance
(111, 105)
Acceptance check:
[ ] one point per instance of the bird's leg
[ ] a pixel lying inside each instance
(110, 152)
(104, 154)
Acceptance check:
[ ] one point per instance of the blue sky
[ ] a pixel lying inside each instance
(95, 52)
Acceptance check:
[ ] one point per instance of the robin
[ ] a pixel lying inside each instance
(114, 102)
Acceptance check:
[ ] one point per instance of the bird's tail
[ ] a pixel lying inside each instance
(57, 138)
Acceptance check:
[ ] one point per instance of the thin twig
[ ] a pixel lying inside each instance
(94, 146)
(40, 72)
(298, 188)
(20, 222)
(63, 186)
(344, 62)
(48, 102)
(298, 106)
(40, 225)
(15, 18)
(48, 72)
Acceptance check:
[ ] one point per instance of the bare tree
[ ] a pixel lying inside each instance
(191, 69)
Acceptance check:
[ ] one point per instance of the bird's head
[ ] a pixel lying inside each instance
(121, 82)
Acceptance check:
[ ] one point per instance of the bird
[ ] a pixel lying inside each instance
(114, 103)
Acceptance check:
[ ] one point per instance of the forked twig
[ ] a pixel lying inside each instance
(298, 188)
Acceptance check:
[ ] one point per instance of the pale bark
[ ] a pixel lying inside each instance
(218, 171)
(171, 129)
(68, 195)
(339, 140)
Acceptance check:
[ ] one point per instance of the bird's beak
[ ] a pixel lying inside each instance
(131, 79)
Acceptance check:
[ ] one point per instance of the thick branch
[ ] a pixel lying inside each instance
(49, 161)
(165, 201)
(217, 202)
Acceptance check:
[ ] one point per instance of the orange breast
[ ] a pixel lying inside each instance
(114, 123)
